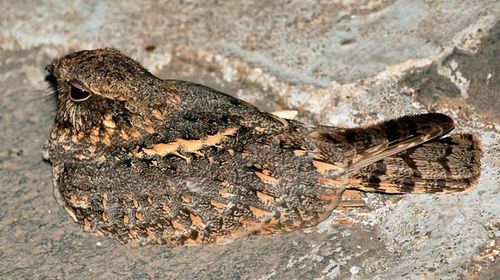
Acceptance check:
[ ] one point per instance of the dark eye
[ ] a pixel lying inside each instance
(77, 94)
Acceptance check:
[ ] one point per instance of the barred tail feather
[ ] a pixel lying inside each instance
(373, 143)
(446, 165)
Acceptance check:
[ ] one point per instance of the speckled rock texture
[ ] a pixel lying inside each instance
(341, 63)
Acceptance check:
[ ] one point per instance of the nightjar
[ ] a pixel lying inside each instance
(152, 161)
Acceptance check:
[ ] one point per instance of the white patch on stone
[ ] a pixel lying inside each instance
(228, 73)
(456, 77)
(354, 270)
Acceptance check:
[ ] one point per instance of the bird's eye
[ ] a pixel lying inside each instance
(78, 95)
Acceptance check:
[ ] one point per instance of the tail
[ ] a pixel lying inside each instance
(400, 156)
(446, 165)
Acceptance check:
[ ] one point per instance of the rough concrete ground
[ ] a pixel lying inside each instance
(340, 63)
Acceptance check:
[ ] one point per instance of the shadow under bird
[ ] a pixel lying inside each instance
(152, 161)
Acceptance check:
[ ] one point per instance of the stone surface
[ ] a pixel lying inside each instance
(336, 62)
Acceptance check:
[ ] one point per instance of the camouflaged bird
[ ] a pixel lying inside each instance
(151, 161)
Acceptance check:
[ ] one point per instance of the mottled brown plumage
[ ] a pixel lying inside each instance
(151, 161)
